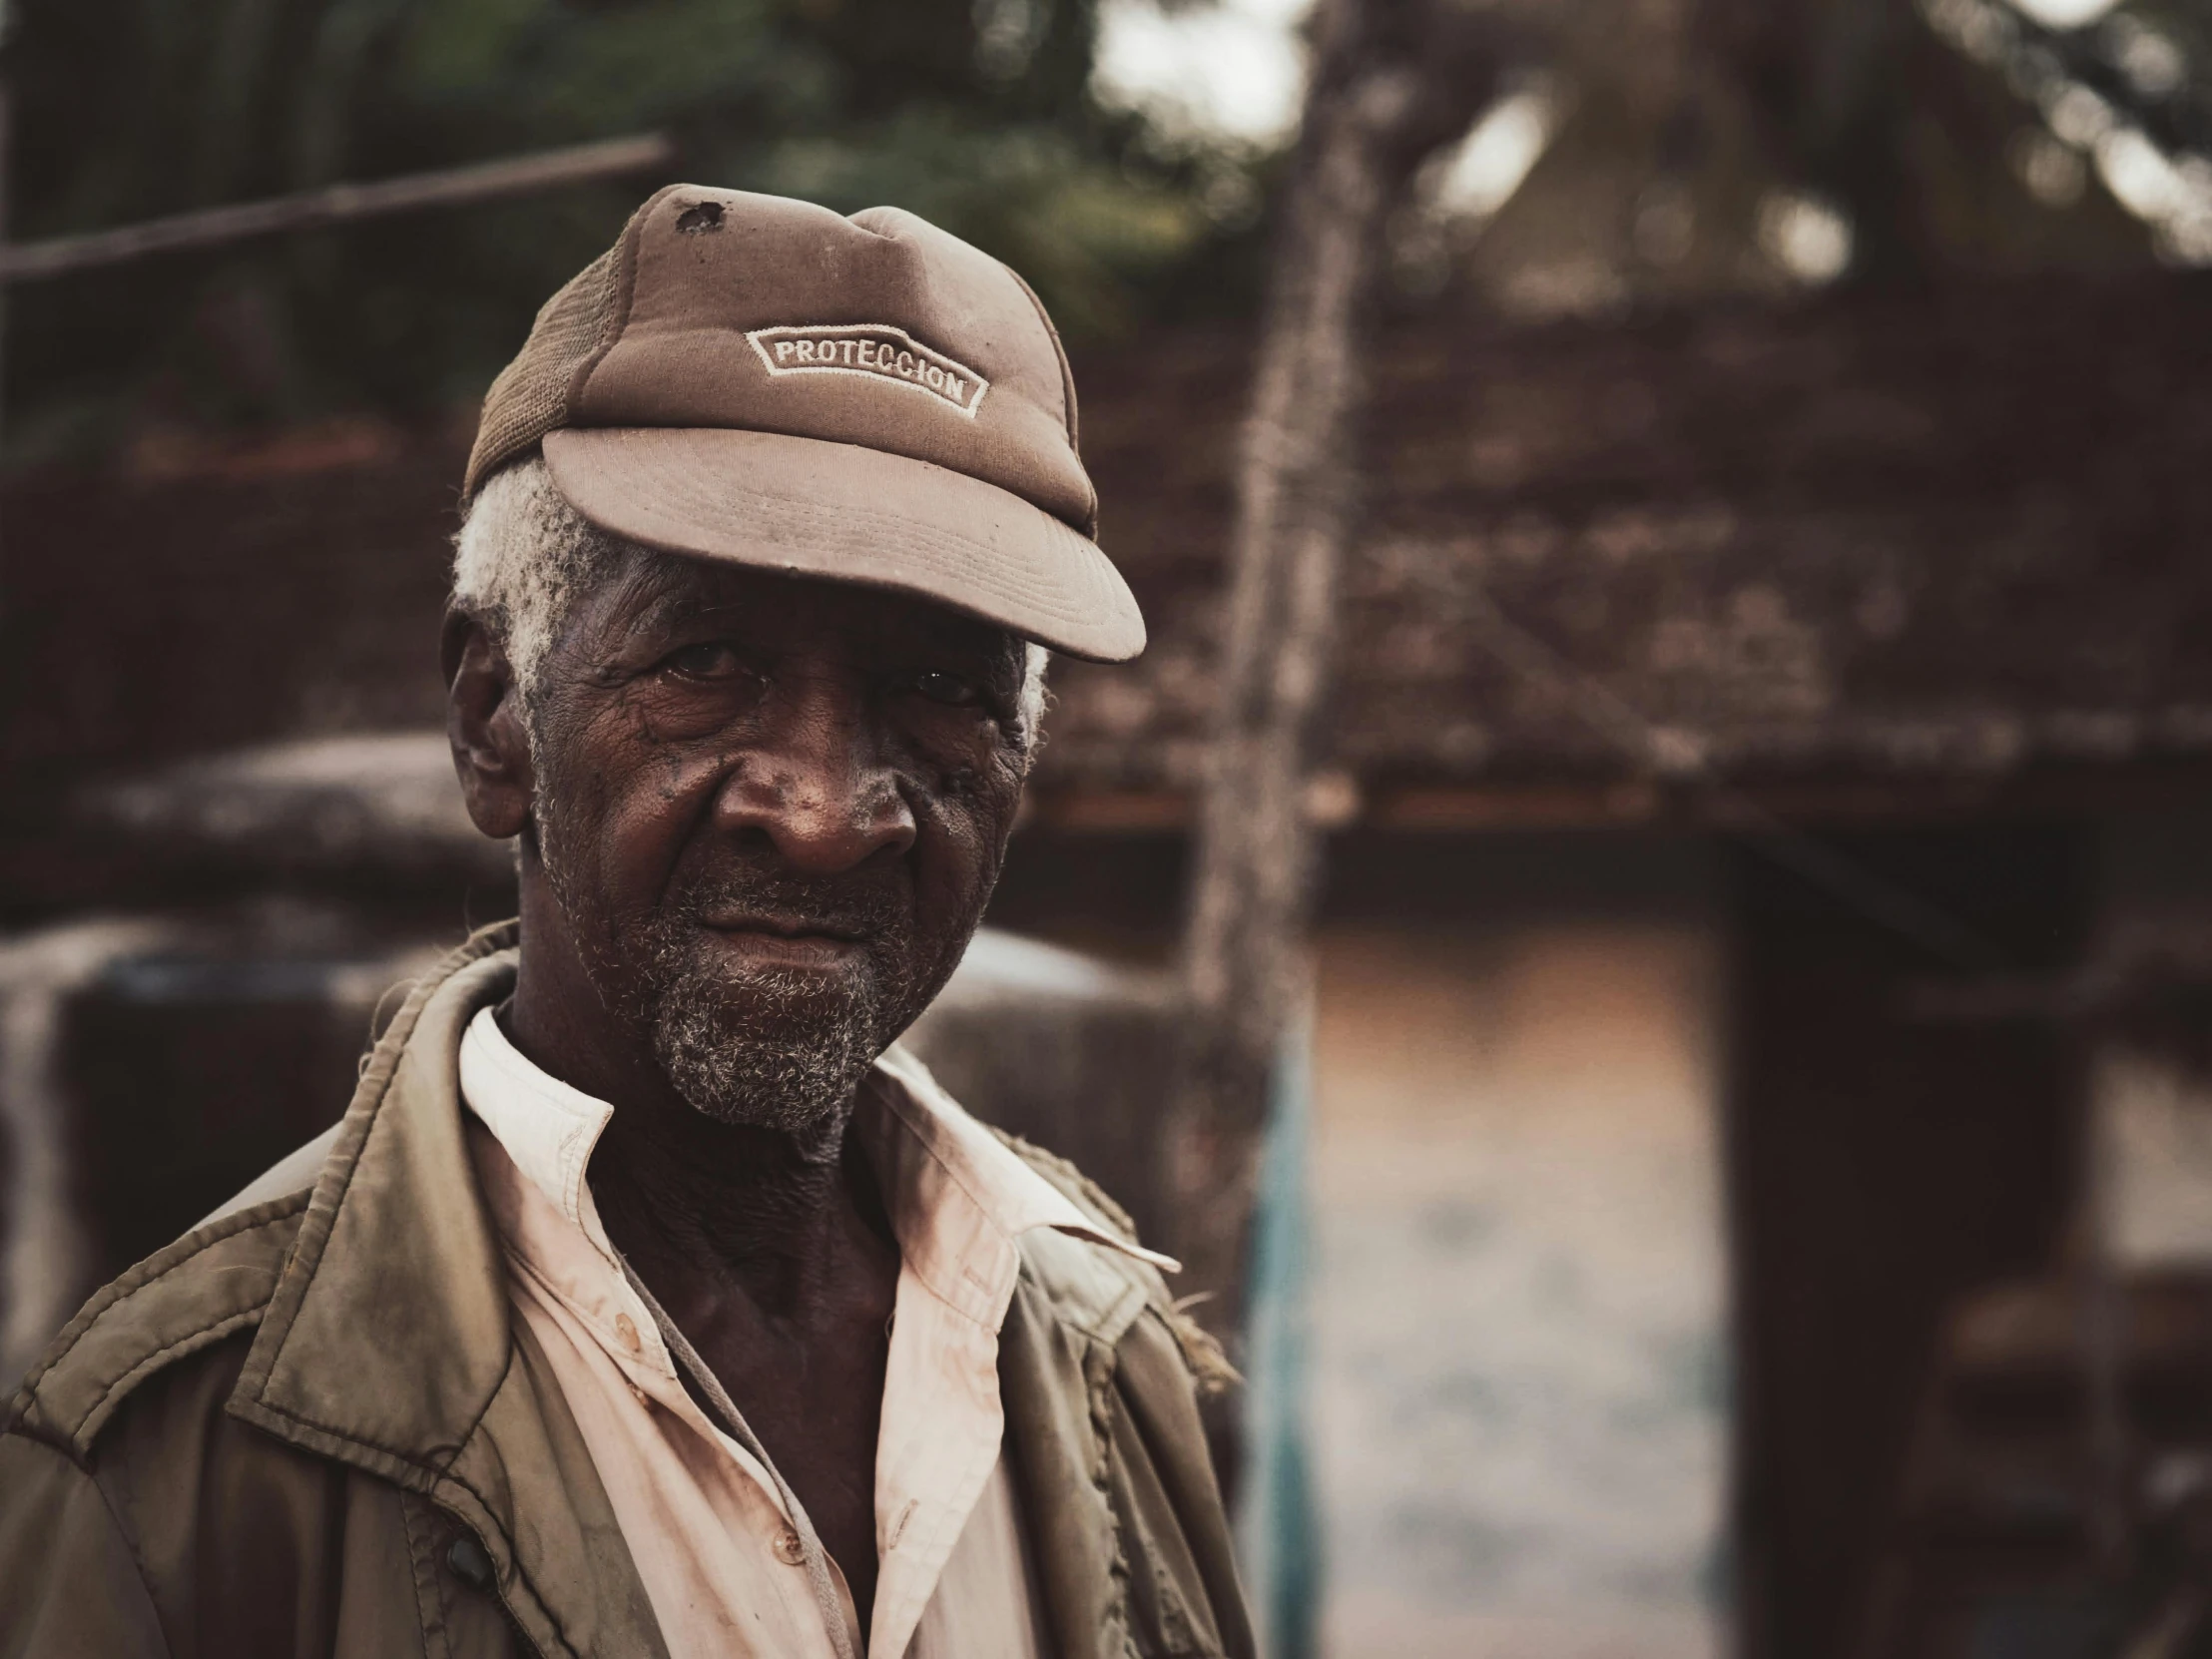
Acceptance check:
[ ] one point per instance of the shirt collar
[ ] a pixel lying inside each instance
(930, 1153)
(547, 1127)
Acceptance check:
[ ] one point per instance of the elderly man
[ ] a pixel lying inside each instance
(647, 1301)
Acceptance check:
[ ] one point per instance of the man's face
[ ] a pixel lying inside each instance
(770, 811)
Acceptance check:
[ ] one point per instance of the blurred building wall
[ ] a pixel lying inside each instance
(1519, 1412)
(1518, 1394)
(2151, 1107)
(2155, 1131)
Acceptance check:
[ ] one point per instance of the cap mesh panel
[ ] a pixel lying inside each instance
(530, 397)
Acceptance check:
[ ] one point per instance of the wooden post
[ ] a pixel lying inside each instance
(7, 170)
(1391, 80)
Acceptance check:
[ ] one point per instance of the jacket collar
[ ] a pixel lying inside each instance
(387, 1344)
(389, 1330)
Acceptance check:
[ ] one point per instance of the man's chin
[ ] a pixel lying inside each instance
(780, 1049)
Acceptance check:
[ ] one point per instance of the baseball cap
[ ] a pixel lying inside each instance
(867, 399)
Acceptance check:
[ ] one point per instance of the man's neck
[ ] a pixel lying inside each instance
(699, 1207)
(702, 1208)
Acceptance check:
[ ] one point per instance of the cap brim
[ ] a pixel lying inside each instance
(841, 512)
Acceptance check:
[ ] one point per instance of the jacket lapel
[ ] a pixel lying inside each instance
(389, 1346)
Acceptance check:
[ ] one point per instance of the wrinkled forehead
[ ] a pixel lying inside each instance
(651, 592)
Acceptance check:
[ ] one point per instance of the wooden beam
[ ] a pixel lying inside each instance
(1598, 804)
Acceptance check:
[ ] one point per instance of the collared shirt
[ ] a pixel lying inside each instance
(720, 1558)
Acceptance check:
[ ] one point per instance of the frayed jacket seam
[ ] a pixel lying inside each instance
(1099, 1367)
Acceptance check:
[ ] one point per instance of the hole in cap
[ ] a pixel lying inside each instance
(700, 218)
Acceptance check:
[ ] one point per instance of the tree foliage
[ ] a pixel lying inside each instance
(975, 112)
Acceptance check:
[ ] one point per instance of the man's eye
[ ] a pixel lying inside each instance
(709, 659)
(948, 689)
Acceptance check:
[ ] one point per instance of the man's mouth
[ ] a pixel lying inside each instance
(784, 926)
(767, 940)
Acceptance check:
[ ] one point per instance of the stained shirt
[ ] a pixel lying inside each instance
(721, 1557)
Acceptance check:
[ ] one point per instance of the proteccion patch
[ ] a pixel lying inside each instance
(876, 350)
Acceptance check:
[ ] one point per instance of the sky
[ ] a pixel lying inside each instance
(1237, 69)
(2064, 14)
(1230, 68)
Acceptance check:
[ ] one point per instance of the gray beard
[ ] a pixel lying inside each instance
(778, 1050)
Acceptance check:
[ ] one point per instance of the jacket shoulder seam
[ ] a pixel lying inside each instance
(132, 1547)
(80, 1426)
(97, 1415)
(123, 1532)
(169, 1259)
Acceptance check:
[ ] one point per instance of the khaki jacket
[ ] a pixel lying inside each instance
(309, 1428)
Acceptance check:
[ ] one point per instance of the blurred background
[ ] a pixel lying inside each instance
(1744, 1185)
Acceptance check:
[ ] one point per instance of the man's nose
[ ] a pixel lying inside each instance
(817, 785)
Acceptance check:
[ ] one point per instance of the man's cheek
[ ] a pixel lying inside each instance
(949, 874)
(635, 821)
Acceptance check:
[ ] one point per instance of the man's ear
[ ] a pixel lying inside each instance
(484, 722)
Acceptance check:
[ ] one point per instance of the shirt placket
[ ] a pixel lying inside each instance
(798, 1545)
(632, 1337)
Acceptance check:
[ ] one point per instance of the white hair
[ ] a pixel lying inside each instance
(522, 560)
(525, 557)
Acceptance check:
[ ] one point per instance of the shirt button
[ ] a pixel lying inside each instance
(789, 1549)
(629, 1335)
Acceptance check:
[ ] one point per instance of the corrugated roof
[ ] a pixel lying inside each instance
(1943, 538)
